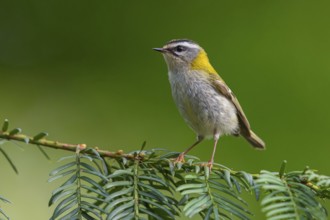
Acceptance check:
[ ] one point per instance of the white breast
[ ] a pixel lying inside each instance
(205, 110)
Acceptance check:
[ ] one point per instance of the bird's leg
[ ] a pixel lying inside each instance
(216, 138)
(180, 158)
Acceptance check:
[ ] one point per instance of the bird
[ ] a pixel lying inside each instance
(204, 100)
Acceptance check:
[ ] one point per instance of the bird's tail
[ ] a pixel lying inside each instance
(255, 141)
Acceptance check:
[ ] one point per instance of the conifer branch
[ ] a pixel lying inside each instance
(59, 145)
(142, 183)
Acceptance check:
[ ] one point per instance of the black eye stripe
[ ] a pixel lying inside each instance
(179, 48)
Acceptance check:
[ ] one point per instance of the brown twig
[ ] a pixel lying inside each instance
(62, 146)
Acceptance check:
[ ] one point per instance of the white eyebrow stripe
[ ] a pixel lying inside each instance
(185, 44)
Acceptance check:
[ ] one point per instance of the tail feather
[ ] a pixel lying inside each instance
(255, 141)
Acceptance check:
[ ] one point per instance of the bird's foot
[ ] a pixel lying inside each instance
(208, 164)
(179, 159)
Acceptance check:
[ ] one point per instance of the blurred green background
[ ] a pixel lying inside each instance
(84, 71)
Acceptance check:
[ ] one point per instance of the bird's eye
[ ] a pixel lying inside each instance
(180, 48)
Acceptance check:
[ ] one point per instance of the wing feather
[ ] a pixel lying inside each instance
(222, 88)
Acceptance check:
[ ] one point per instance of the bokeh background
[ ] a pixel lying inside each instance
(84, 72)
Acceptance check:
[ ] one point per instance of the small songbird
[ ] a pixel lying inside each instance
(204, 100)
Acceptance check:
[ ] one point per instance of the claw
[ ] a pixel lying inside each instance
(180, 159)
(208, 164)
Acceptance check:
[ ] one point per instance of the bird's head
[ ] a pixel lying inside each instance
(185, 54)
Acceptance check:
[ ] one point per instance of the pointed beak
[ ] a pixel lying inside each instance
(162, 50)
